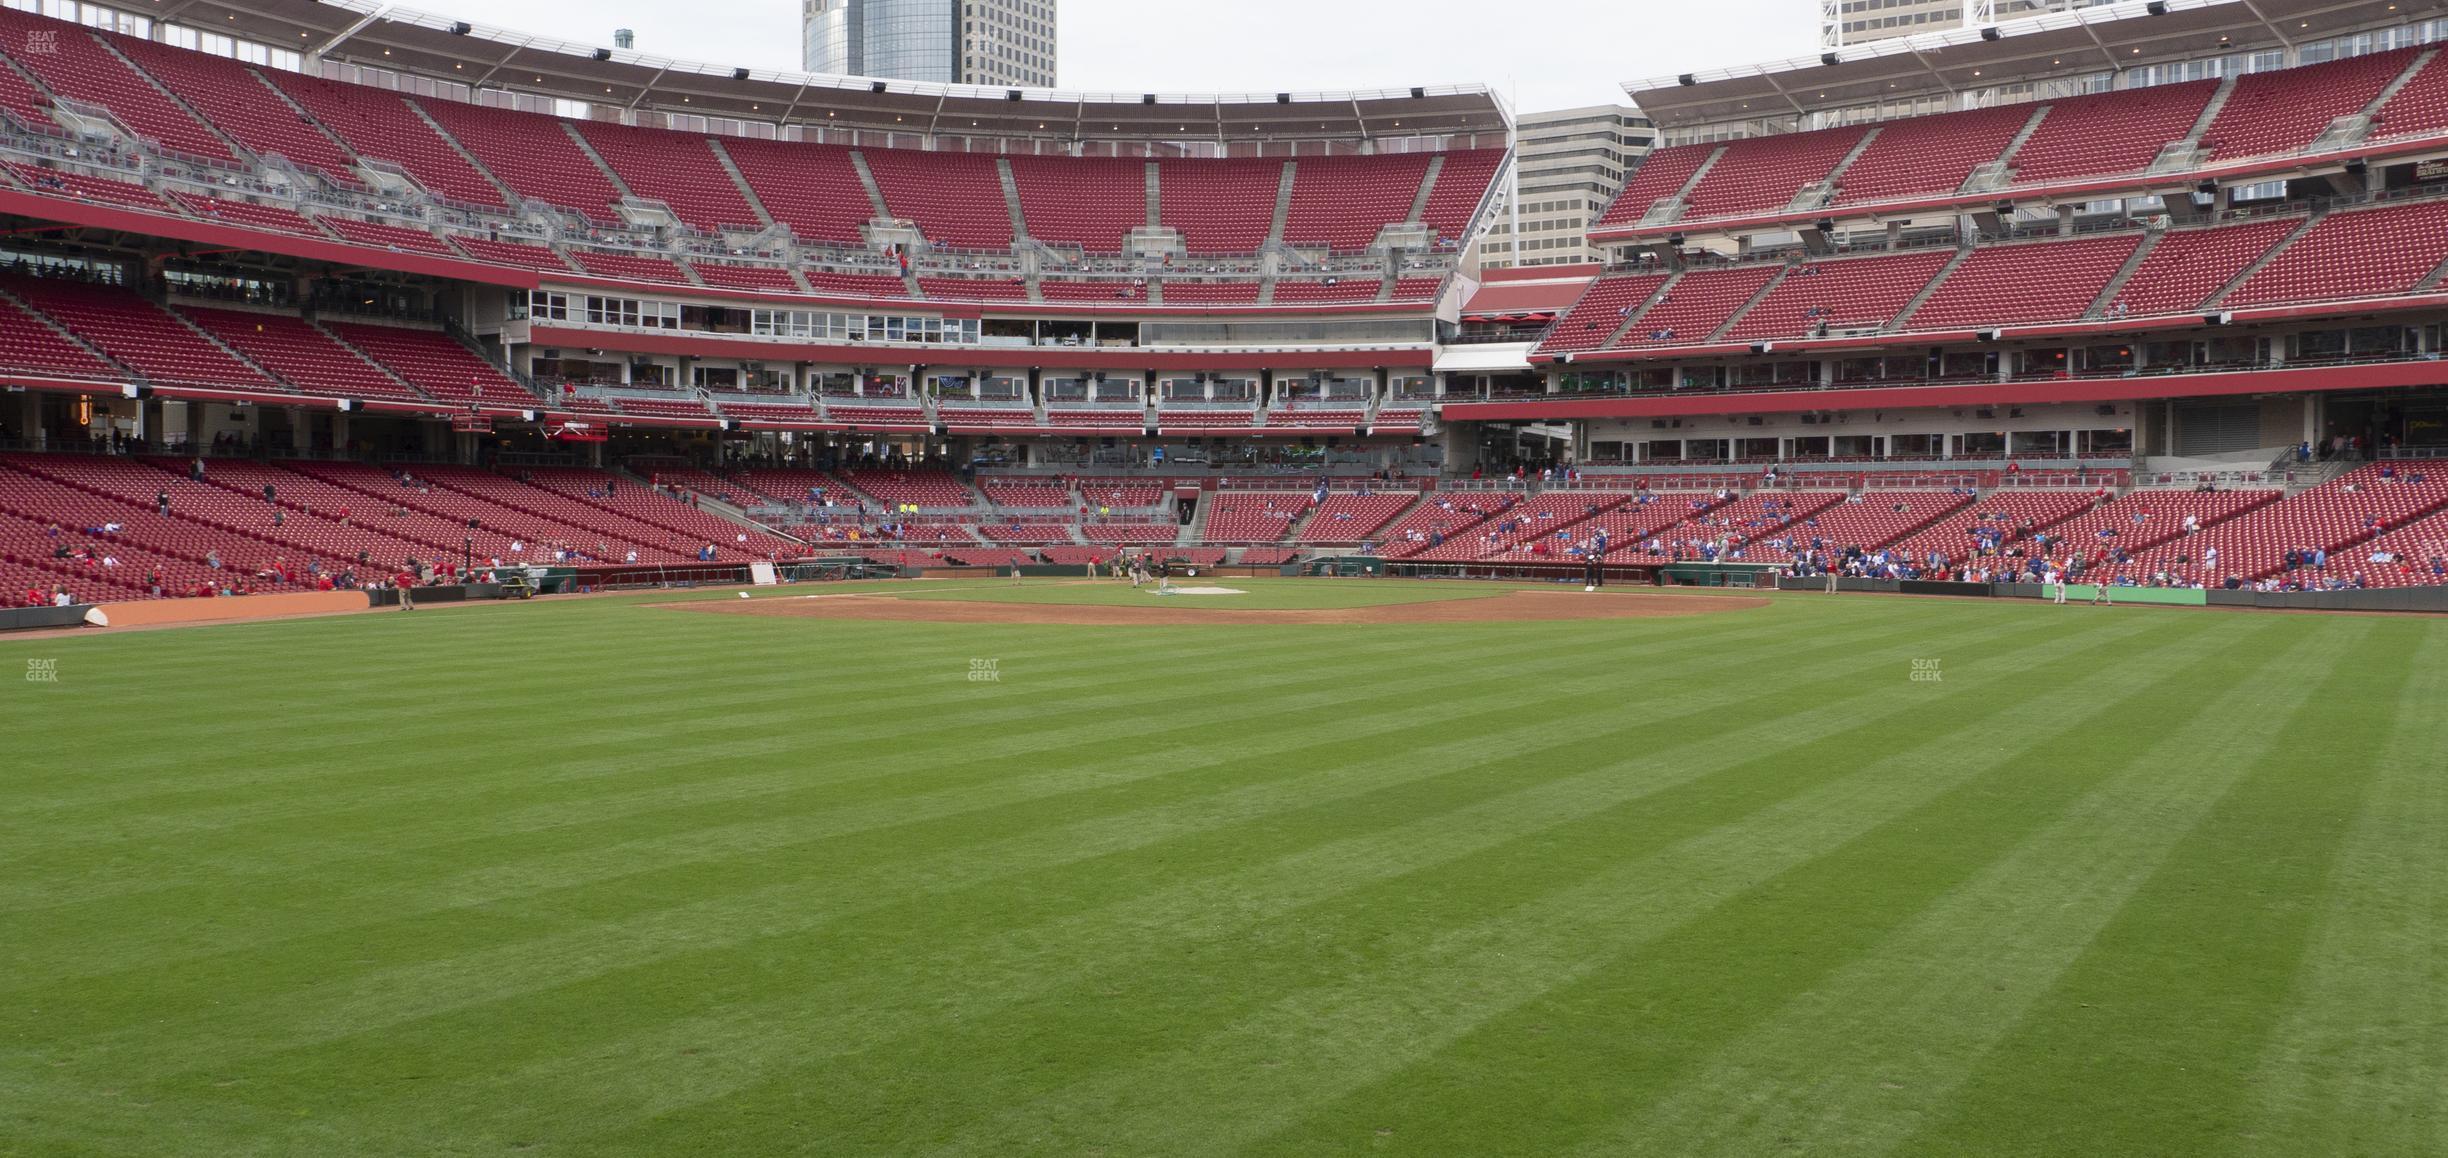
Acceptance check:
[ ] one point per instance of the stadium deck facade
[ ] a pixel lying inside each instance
(926, 323)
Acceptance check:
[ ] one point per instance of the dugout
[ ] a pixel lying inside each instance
(1743, 575)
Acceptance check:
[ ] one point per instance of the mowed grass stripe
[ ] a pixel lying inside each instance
(1860, 1058)
(894, 670)
(461, 872)
(891, 822)
(1056, 698)
(1319, 987)
(970, 986)
(595, 661)
(875, 707)
(1252, 783)
(2360, 1059)
(477, 871)
(2156, 1059)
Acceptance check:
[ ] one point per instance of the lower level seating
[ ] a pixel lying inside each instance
(1539, 527)
(1252, 518)
(1440, 517)
(2328, 519)
(1353, 518)
(116, 527)
(2412, 555)
(2144, 519)
(1993, 525)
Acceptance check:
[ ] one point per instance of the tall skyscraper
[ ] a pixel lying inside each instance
(1571, 163)
(988, 42)
(1845, 22)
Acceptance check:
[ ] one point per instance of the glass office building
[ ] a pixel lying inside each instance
(991, 42)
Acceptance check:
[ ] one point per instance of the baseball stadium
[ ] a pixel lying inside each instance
(579, 602)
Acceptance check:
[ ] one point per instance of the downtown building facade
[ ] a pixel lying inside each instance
(1844, 22)
(1572, 163)
(982, 42)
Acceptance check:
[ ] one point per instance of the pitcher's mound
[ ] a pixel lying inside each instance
(1511, 607)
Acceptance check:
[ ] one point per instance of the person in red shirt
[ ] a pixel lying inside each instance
(405, 584)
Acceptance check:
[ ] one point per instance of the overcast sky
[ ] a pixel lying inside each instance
(1544, 54)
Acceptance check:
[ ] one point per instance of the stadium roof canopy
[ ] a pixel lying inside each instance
(377, 35)
(2085, 41)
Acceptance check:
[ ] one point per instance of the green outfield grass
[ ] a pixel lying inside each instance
(1838, 876)
(1256, 594)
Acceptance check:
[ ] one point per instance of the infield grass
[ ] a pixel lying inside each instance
(596, 878)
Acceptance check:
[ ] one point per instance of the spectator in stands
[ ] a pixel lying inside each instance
(161, 502)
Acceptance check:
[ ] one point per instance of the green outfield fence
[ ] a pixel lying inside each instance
(1719, 574)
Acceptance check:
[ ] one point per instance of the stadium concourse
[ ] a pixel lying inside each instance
(297, 324)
